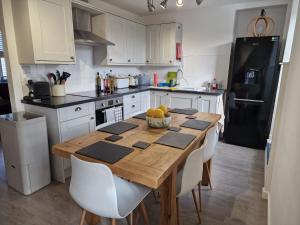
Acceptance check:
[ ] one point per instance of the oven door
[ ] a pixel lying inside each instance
(109, 115)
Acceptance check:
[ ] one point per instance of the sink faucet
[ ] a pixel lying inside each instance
(180, 78)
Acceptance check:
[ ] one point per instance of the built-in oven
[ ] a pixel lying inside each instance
(109, 111)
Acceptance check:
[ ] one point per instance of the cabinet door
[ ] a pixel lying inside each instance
(77, 127)
(152, 44)
(167, 43)
(145, 101)
(52, 31)
(182, 100)
(159, 98)
(117, 35)
(131, 41)
(140, 45)
(207, 103)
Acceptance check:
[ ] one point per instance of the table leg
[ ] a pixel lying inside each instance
(168, 212)
(205, 176)
(92, 219)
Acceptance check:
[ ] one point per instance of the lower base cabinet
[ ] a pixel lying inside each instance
(63, 125)
(204, 103)
(136, 103)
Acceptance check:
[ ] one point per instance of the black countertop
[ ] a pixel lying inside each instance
(77, 98)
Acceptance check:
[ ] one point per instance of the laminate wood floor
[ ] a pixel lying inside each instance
(235, 200)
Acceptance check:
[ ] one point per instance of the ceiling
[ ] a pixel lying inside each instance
(139, 7)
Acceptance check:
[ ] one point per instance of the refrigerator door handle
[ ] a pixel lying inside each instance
(248, 100)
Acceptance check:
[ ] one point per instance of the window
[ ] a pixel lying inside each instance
(3, 71)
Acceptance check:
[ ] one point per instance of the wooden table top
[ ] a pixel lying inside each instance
(148, 167)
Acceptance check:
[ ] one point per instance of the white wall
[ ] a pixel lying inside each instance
(207, 36)
(285, 192)
(83, 72)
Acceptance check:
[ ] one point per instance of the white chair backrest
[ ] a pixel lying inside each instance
(212, 137)
(192, 170)
(93, 188)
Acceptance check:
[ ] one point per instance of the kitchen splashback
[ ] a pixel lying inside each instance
(83, 72)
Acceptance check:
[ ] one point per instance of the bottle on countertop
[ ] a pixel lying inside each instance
(98, 83)
(155, 79)
(214, 84)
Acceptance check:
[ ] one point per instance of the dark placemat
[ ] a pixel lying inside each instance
(184, 111)
(191, 117)
(196, 124)
(113, 138)
(118, 128)
(175, 129)
(176, 140)
(104, 151)
(141, 145)
(141, 116)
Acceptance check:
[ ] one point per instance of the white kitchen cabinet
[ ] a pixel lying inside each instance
(161, 44)
(207, 103)
(204, 103)
(180, 100)
(136, 103)
(44, 31)
(145, 101)
(65, 124)
(128, 37)
(153, 44)
(159, 98)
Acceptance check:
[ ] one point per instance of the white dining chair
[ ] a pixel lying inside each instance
(189, 177)
(95, 189)
(212, 137)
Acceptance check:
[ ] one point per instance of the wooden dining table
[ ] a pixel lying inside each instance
(155, 167)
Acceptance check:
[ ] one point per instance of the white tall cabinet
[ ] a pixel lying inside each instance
(153, 44)
(44, 31)
(129, 39)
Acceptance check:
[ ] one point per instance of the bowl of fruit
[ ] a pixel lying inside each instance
(158, 117)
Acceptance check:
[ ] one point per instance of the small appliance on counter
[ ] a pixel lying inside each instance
(38, 90)
(26, 157)
(121, 82)
(133, 81)
(172, 79)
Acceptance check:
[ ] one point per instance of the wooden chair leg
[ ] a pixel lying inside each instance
(154, 195)
(113, 222)
(129, 219)
(209, 176)
(196, 205)
(200, 202)
(82, 216)
(144, 213)
(177, 208)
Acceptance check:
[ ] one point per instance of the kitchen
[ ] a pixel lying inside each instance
(162, 52)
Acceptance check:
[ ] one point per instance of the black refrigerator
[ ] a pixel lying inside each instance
(252, 87)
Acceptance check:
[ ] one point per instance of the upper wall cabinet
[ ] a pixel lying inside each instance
(44, 31)
(129, 39)
(164, 44)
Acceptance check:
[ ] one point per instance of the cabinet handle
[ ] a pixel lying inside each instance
(92, 118)
(133, 106)
(129, 60)
(167, 94)
(78, 109)
(133, 96)
(110, 60)
(171, 61)
(72, 58)
(147, 61)
(200, 97)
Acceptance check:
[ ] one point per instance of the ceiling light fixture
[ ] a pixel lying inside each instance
(151, 7)
(199, 2)
(164, 4)
(179, 3)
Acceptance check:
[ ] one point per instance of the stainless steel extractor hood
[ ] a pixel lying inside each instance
(83, 30)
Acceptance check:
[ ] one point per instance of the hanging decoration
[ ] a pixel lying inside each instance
(262, 25)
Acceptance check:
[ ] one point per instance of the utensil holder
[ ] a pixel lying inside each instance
(58, 90)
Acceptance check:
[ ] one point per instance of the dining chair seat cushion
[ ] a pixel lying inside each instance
(129, 195)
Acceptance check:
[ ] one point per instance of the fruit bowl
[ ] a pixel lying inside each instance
(158, 122)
